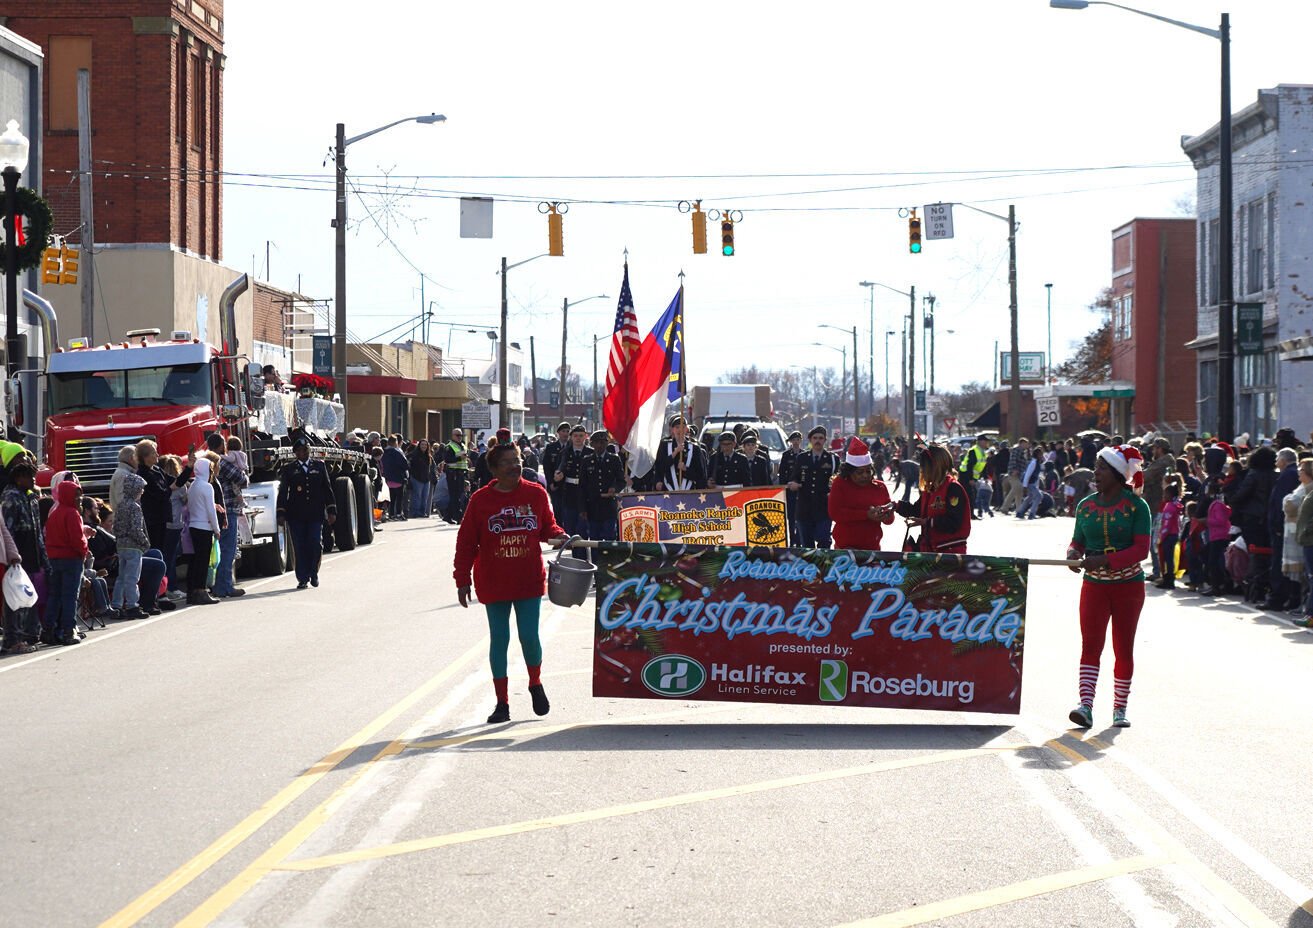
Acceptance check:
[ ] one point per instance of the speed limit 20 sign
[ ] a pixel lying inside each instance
(1047, 412)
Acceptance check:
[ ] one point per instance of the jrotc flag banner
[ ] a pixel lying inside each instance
(753, 516)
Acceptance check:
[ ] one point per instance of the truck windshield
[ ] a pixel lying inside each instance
(175, 385)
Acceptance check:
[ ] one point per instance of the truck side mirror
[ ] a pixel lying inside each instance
(255, 385)
(14, 402)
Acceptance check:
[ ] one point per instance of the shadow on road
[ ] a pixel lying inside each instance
(1300, 918)
(734, 736)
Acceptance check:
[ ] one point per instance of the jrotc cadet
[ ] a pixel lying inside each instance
(551, 458)
(681, 463)
(305, 503)
(788, 460)
(571, 504)
(758, 460)
(604, 478)
(813, 470)
(727, 467)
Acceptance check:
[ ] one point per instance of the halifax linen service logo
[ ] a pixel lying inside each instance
(679, 675)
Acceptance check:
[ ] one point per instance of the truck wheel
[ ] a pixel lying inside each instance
(344, 531)
(364, 509)
(272, 559)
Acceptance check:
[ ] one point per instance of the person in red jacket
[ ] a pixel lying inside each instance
(499, 535)
(943, 513)
(859, 504)
(66, 547)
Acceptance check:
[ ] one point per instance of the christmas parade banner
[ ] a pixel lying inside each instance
(750, 516)
(809, 627)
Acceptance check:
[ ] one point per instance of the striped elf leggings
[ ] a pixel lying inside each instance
(1100, 604)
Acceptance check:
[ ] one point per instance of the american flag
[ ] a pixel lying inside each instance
(624, 340)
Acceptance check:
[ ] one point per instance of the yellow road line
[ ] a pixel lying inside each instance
(633, 808)
(161, 892)
(1073, 755)
(1003, 895)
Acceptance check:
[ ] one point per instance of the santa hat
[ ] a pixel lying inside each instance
(1126, 461)
(1230, 452)
(857, 455)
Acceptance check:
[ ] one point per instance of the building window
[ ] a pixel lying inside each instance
(1257, 229)
(1122, 255)
(68, 55)
(1256, 386)
(1123, 317)
(1207, 403)
(1212, 262)
(197, 101)
(1271, 240)
(512, 374)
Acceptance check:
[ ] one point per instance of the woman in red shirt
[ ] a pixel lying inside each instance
(943, 512)
(859, 503)
(499, 536)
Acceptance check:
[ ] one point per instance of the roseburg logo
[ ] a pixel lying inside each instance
(834, 681)
(673, 675)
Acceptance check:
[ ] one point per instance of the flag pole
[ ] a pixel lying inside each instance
(681, 463)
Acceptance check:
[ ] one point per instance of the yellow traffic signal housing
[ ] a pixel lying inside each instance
(555, 234)
(727, 238)
(69, 260)
(914, 235)
(50, 266)
(699, 232)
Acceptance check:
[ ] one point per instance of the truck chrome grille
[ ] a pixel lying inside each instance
(94, 459)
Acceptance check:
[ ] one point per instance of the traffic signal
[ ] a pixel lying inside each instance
(914, 235)
(555, 234)
(50, 266)
(69, 259)
(727, 238)
(699, 232)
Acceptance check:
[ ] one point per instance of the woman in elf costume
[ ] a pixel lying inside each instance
(1110, 540)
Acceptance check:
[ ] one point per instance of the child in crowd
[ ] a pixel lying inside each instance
(66, 545)
(236, 456)
(1196, 546)
(22, 517)
(1218, 523)
(1171, 533)
(131, 544)
(172, 465)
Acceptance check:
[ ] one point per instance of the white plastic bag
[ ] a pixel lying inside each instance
(19, 592)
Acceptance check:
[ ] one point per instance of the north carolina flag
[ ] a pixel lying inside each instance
(634, 410)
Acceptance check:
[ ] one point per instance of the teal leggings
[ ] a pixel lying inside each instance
(499, 629)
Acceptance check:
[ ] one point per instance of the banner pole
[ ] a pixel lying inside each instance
(1035, 562)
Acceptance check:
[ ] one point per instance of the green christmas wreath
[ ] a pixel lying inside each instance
(37, 223)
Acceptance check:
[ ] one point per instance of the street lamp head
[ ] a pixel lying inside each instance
(1069, 4)
(866, 283)
(13, 148)
(431, 118)
(1050, 286)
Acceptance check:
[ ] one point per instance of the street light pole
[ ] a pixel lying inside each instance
(565, 311)
(886, 370)
(870, 287)
(339, 225)
(14, 148)
(503, 406)
(1048, 315)
(1226, 396)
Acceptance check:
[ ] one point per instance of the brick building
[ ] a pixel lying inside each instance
(1272, 236)
(1153, 316)
(156, 69)
(156, 114)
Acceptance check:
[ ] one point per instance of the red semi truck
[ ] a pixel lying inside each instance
(176, 391)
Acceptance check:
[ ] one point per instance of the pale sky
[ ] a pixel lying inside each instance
(913, 103)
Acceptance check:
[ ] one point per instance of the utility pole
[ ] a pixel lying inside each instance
(902, 375)
(887, 333)
(86, 207)
(1226, 271)
(1014, 384)
(565, 311)
(533, 369)
(1048, 316)
(503, 408)
(596, 411)
(909, 401)
(930, 324)
(857, 367)
(339, 297)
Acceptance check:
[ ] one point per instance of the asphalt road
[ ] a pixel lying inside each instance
(318, 758)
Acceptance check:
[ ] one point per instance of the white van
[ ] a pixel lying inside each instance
(769, 435)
